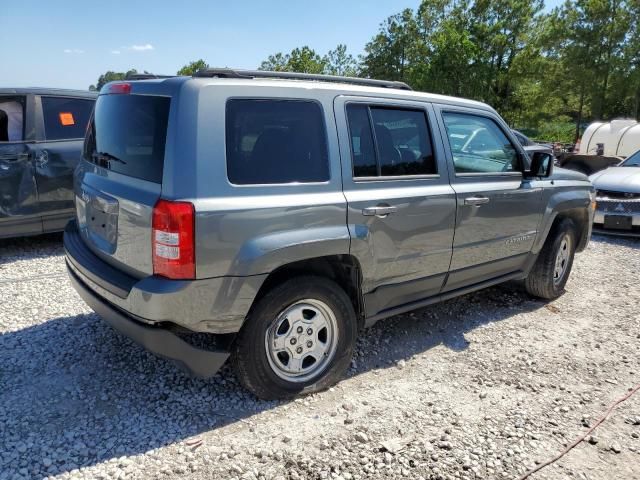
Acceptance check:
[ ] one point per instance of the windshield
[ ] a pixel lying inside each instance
(127, 135)
(632, 161)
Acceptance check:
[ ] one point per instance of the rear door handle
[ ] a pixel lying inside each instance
(476, 201)
(379, 210)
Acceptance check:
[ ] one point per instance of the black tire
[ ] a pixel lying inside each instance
(541, 281)
(250, 358)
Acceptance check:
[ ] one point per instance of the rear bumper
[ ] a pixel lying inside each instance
(214, 305)
(201, 363)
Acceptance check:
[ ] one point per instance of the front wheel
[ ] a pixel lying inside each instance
(550, 273)
(298, 338)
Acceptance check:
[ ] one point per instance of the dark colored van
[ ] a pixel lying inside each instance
(41, 137)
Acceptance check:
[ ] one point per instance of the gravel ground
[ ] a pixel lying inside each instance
(483, 386)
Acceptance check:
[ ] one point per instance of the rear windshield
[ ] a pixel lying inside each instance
(128, 135)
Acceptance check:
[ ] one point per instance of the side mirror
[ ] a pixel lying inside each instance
(541, 165)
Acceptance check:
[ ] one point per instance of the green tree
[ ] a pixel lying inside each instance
(580, 61)
(542, 71)
(447, 50)
(111, 76)
(339, 62)
(302, 60)
(193, 67)
(591, 44)
(500, 30)
(456, 47)
(275, 63)
(632, 57)
(307, 60)
(395, 49)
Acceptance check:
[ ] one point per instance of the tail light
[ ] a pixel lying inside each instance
(173, 240)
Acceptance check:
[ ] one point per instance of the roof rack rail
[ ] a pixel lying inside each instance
(231, 73)
(146, 76)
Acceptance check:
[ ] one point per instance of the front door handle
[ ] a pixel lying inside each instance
(476, 201)
(379, 210)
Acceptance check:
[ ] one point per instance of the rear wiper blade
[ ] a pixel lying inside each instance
(106, 157)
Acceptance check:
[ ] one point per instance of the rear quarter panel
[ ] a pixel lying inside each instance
(250, 229)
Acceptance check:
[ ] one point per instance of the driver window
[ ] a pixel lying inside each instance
(478, 145)
(11, 120)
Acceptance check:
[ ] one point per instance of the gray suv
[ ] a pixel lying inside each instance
(280, 213)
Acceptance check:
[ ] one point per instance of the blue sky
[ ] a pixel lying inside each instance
(69, 43)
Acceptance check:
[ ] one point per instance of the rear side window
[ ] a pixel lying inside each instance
(275, 141)
(65, 118)
(128, 135)
(389, 142)
(362, 147)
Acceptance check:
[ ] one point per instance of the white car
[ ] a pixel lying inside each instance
(618, 198)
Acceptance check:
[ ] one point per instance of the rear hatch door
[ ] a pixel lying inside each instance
(120, 178)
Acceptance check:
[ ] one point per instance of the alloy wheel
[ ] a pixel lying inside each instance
(302, 340)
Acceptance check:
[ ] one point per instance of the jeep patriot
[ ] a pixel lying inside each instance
(280, 213)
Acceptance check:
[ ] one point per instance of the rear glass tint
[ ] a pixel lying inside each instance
(128, 135)
(399, 143)
(65, 118)
(275, 141)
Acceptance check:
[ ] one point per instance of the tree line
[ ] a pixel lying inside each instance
(548, 73)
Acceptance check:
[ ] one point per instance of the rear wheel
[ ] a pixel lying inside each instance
(550, 273)
(298, 338)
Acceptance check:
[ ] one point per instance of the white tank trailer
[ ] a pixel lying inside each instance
(603, 144)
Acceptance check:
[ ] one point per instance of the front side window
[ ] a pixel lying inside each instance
(11, 119)
(65, 118)
(479, 145)
(275, 141)
(389, 142)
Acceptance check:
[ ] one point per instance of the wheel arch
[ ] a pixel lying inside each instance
(581, 219)
(344, 269)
